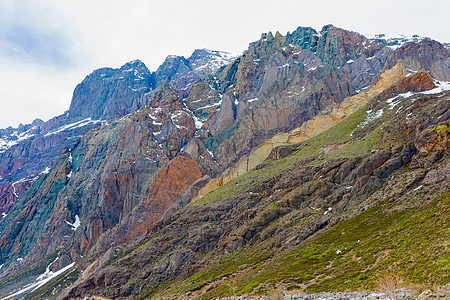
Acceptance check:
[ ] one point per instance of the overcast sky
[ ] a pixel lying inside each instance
(48, 46)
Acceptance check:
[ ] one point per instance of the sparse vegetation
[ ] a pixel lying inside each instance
(391, 284)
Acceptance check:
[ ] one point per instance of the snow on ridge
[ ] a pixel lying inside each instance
(14, 138)
(394, 41)
(71, 126)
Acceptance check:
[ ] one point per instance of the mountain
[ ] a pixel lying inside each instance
(107, 93)
(29, 151)
(273, 169)
(367, 195)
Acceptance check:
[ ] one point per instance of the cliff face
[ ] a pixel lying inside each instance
(284, 90)
(104, 95)
(109, 93)
(117, 196)
(301, 206)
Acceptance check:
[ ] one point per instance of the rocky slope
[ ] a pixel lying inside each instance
(307, 92)
(333, 214)
(115, 203)
(104, 95)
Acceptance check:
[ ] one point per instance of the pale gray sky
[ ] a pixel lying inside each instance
(49, 46)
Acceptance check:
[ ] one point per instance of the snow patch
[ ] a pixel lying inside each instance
(210, 152)
(45, 171)
(441, 86)
(371, 115)
(252, 100)
(14, 138)
(76, 224)
(41, 280)
(418, 188)
(72, 126)
(14, 186)
(137, 90)
(198, 123)
(209, 106)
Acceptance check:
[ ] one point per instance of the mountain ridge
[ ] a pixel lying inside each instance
(28, 150)
(109, 181)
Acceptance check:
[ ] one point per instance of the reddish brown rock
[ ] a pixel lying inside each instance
(168, 185)
(419, 82)
(435, 138)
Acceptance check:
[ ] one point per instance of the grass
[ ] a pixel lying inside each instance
(350, 256)
(55, 286)
(354, 254)
(341, 133)
(32, 271)
(239, 261)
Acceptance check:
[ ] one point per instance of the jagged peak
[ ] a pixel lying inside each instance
(266, 36)
(166, 89)
(395, 41)
(174, 57)
(136, 64)
(327, 27)
(302, 29)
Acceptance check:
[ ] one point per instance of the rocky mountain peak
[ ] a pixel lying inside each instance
(109, 93)
(304, 37)
(395, 41)
(137, 64)
(205, 58)
(172, 68)
(425, 55)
